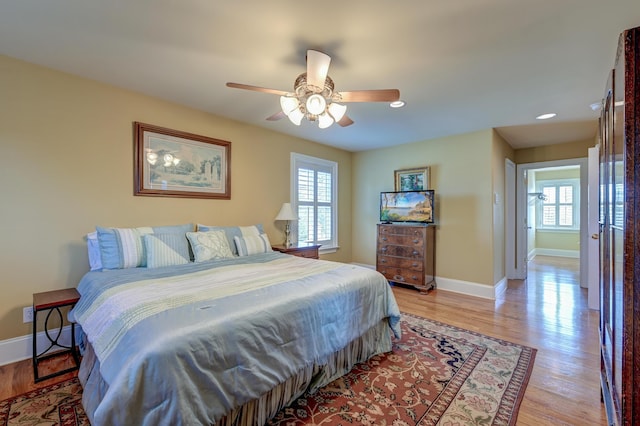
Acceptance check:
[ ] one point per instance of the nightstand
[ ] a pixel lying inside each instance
(52, 301)
(309, 251)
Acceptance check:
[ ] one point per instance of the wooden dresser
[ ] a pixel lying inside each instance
(406, 254)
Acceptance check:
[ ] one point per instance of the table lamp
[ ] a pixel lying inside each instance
(286, 213)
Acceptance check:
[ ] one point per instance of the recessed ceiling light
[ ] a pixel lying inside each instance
(396, 104)
(546, 116)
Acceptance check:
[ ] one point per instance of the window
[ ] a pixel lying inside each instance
(559, 208)
(314, 192)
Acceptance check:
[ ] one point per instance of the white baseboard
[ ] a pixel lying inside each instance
(19, 348)
(472, 289)
(464, 287)
(557, 252)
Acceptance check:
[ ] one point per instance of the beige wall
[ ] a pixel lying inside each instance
(462, 178)
(565, 151)
(67, 166)
(567, 240)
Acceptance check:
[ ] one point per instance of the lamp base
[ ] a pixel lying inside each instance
(287, 237)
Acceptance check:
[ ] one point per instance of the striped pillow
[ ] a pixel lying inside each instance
(166, 250)
(252, 244)
(124, 247)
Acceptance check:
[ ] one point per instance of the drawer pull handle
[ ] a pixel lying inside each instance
(383, 261)
(414, 264)
(398, 277)
(415, 253)
(384, 249)
(384, 238)
(414, 277)
(415, 241)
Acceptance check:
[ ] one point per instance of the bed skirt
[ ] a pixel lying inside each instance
(375, 341)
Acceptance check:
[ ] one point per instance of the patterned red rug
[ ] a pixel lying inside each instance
(436, 374)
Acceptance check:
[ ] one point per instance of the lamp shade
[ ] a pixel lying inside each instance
(286, 213)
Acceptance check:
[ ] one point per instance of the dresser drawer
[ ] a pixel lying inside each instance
(400, 275)
(400, 262)
(401, 251)
(401, 230)
(401, 240)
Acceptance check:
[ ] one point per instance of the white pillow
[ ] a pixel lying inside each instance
(209, 245)
(93, 249)
(252, 244)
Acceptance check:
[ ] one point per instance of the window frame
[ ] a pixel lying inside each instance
(317, 164)
(557, 183)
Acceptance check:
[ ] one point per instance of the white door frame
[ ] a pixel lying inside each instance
(593, 268)
(521, 214)
(510, 219)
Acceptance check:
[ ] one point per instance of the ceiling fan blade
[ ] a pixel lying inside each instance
(384, 95)
(317, 69)
(257, 89)
(277, 116)
(345, 121)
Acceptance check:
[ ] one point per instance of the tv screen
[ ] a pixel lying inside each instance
(406, 206)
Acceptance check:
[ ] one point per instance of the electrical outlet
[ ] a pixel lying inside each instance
(27, 314)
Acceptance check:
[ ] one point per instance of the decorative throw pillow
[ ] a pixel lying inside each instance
(252, 244)
(234, 231)
(124, 248)
(166, 250)
(209, 245)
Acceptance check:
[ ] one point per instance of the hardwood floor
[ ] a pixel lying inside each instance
(548, 311)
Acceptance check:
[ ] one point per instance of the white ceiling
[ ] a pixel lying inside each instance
(460, 65)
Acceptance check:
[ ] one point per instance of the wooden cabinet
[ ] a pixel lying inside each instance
(406, 254)
(308, 251)
(619, 221)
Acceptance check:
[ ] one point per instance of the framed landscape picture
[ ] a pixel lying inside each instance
(171, 163)
(412, 179)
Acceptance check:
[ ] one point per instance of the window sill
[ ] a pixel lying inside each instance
(560, 230)
(328, 250)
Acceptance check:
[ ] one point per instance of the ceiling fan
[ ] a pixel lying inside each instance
(314, 96)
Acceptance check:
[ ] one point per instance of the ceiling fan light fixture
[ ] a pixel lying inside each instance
(316, 104)
(337, 111)
(324, 120)
(288, 104)
(296, 116)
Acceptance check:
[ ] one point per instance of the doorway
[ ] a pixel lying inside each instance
(546, 223)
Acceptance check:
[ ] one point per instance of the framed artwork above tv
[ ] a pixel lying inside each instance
(412, 179)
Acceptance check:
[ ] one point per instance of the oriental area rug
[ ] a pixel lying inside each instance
(436, 374)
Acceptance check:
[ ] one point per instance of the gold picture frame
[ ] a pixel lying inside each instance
(415, 179)
(172, 163)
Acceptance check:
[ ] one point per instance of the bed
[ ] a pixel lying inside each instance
(228, 341)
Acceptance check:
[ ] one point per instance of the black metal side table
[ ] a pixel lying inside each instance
(53, 301)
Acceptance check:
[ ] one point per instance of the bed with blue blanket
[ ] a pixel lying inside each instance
(229, 341)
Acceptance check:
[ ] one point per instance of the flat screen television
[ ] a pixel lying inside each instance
(407, 206)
